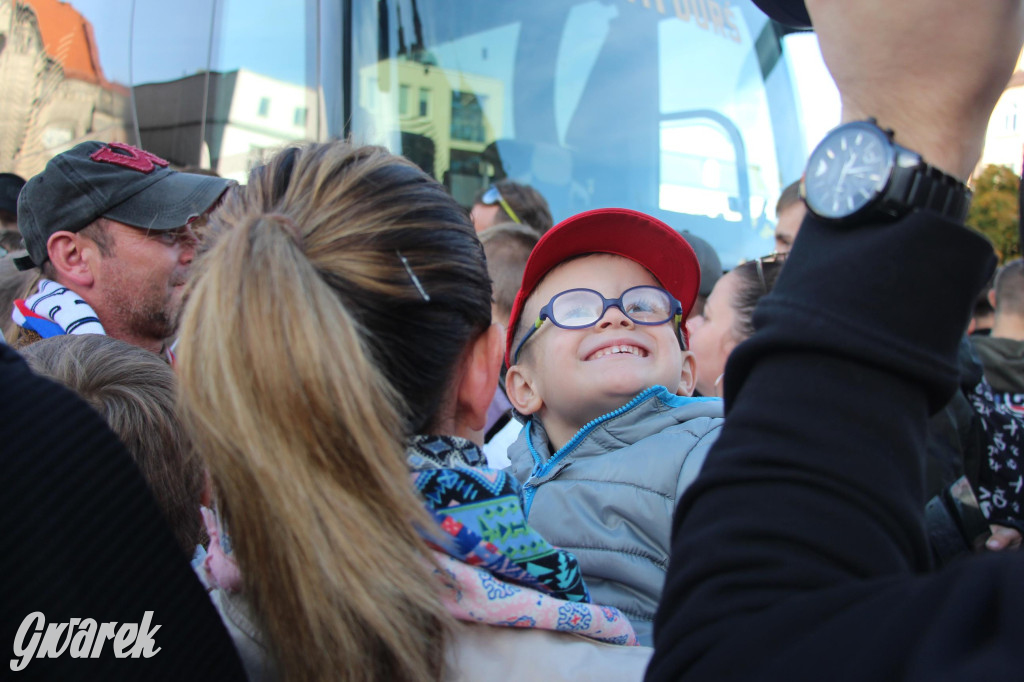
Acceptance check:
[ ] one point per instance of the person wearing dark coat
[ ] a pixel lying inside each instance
(83, 539)
(800, 552)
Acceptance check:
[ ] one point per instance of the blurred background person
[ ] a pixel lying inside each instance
(14, 284)
(507, 247)
(135, 392)
(1002, 351)
(508, 201)
(728, 318)
(10, 186)
(789, 214)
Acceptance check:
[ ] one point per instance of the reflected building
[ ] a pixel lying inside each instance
(444, 121)
(248, 117)
(684, 110)
(55, 93)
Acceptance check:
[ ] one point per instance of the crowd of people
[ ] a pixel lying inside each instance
(330, 424)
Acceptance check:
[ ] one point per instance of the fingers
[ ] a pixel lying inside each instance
(1003, 538)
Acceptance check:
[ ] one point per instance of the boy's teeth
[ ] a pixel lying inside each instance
(611, 350)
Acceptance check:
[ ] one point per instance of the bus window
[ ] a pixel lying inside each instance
(243, 87)
(684, 109)
(673, 107)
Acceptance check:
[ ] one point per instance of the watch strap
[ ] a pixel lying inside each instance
(928, 188)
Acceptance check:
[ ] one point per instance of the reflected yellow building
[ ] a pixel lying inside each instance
(443, 120)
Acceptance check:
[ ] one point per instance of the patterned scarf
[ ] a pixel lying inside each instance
(496, 569)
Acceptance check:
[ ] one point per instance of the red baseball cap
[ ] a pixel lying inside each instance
(619, 231)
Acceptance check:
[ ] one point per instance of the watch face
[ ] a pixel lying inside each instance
(848, 170)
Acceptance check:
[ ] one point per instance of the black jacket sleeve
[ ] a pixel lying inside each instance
(800, 551)
(83, 539)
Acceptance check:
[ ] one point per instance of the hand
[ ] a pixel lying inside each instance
(1003, 538)
(220, 565)
(932, 70)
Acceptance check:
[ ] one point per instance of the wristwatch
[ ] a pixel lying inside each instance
(858, 173)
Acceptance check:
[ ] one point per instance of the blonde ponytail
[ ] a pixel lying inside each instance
(304, 439)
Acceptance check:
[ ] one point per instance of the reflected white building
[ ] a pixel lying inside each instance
(1004, 141)
(248, 117)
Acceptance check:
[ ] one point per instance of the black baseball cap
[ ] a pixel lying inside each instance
(789, 12)
(109, 180)
(10, 185)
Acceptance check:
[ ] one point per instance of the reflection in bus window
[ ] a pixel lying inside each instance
(676, 108)
(698, 170)
(699, 156)
(234, 101)
(588, 101)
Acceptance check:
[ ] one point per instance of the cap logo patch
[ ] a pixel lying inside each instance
(126, 156)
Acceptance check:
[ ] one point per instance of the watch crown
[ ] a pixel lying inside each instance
(890, 133)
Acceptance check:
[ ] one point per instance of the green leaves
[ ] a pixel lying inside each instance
(994, 210)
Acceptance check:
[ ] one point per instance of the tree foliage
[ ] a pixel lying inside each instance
(994, 211)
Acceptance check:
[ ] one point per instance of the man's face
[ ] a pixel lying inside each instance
(140, 284)
(789, 224)
(581, 374)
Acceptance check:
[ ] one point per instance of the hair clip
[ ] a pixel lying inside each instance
(413, 277)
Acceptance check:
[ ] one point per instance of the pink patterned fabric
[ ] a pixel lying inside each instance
(476, 595)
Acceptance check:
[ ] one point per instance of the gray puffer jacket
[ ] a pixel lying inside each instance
(609, 494)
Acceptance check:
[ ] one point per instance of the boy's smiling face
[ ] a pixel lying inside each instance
(568, 377)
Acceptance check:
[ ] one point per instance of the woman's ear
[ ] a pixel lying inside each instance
(522, 390)
(477, 382)
(688, 377)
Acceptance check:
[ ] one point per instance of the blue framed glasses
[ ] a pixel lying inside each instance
(582, 308)
(493, 196)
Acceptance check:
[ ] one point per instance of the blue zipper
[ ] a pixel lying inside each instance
(541, 469)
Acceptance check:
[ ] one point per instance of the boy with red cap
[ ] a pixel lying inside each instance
(598, 366)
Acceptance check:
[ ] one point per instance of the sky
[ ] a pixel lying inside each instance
(173, 38)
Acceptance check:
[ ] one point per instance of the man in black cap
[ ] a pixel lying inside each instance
(110, 228)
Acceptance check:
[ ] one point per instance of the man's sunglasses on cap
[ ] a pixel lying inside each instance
(582, 308)
(493, 196)
(770, 259)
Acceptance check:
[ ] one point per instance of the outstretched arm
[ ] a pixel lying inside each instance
(800, 552)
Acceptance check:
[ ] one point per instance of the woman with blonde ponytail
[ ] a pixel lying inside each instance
(337, 359)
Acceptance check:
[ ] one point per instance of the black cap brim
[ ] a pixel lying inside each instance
(170, 203)
(789, 12)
